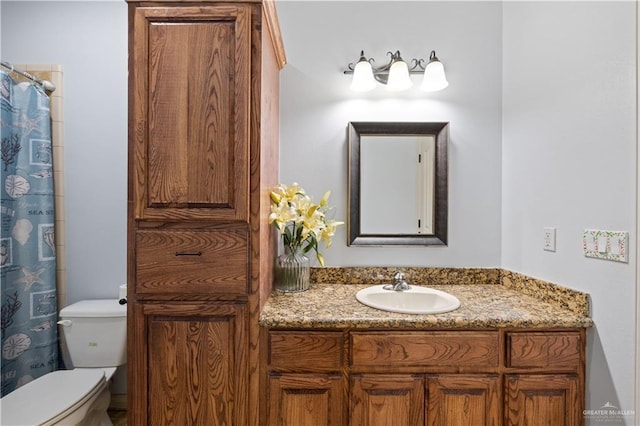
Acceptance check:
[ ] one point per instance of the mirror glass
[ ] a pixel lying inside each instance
(397, 183)
(392, 165)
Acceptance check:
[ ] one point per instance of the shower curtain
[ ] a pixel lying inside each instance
(27, 248)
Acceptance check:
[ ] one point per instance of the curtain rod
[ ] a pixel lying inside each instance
(47, 85)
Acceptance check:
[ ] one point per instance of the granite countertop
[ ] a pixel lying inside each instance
(327, 305)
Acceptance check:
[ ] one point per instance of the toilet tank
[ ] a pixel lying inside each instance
(95, 333)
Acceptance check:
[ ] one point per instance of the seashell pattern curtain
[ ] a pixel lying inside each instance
(27, 246)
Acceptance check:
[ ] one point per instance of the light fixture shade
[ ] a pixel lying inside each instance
(434, 77)
(399, 76)
(363, 80)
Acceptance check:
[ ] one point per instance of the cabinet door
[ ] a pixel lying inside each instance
(462, 400)
(385, 400)
(189, 361)
(543, 400)
(190, 99)
(305, 399)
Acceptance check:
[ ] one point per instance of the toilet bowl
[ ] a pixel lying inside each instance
(95, 335)
(63, 397)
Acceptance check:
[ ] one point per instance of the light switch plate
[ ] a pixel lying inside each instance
(608, 245)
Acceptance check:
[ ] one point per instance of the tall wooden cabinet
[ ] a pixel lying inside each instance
(203, 152)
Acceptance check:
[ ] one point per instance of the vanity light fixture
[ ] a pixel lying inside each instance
(395, 74)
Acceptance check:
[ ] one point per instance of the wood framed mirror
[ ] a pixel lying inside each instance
(398, 187)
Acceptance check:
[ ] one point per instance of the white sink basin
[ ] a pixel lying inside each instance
(417, 300)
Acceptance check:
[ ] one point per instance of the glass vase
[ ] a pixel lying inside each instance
(292, 272)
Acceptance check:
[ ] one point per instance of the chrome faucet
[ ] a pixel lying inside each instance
(399, 283)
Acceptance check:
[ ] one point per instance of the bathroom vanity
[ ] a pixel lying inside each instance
(504, 357)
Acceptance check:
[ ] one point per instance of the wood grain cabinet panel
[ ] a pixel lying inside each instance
(463, 348)
(306, 400)
(191, 262)
(194, 364)
(543, 349)
(543, 400)
(191, 82)
(305, 351)
(463, 400)
(383, 400)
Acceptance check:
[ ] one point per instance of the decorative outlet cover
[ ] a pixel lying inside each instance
(608, 245)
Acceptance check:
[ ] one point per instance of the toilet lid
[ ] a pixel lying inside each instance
(94, 309)
(47, 397)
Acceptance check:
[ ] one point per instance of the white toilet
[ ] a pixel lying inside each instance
(95, 336)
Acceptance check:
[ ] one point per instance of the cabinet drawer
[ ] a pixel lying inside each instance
(191, 262)
(305, 351)
(460, 348)
(540, 349)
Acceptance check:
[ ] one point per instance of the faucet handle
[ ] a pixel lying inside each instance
(398, 276)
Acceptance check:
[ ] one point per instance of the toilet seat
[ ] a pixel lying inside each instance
(109, 372)
(51, 397)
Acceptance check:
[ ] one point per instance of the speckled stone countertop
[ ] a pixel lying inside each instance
(501, 304)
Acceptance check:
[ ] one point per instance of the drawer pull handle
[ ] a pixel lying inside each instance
(188, 253)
